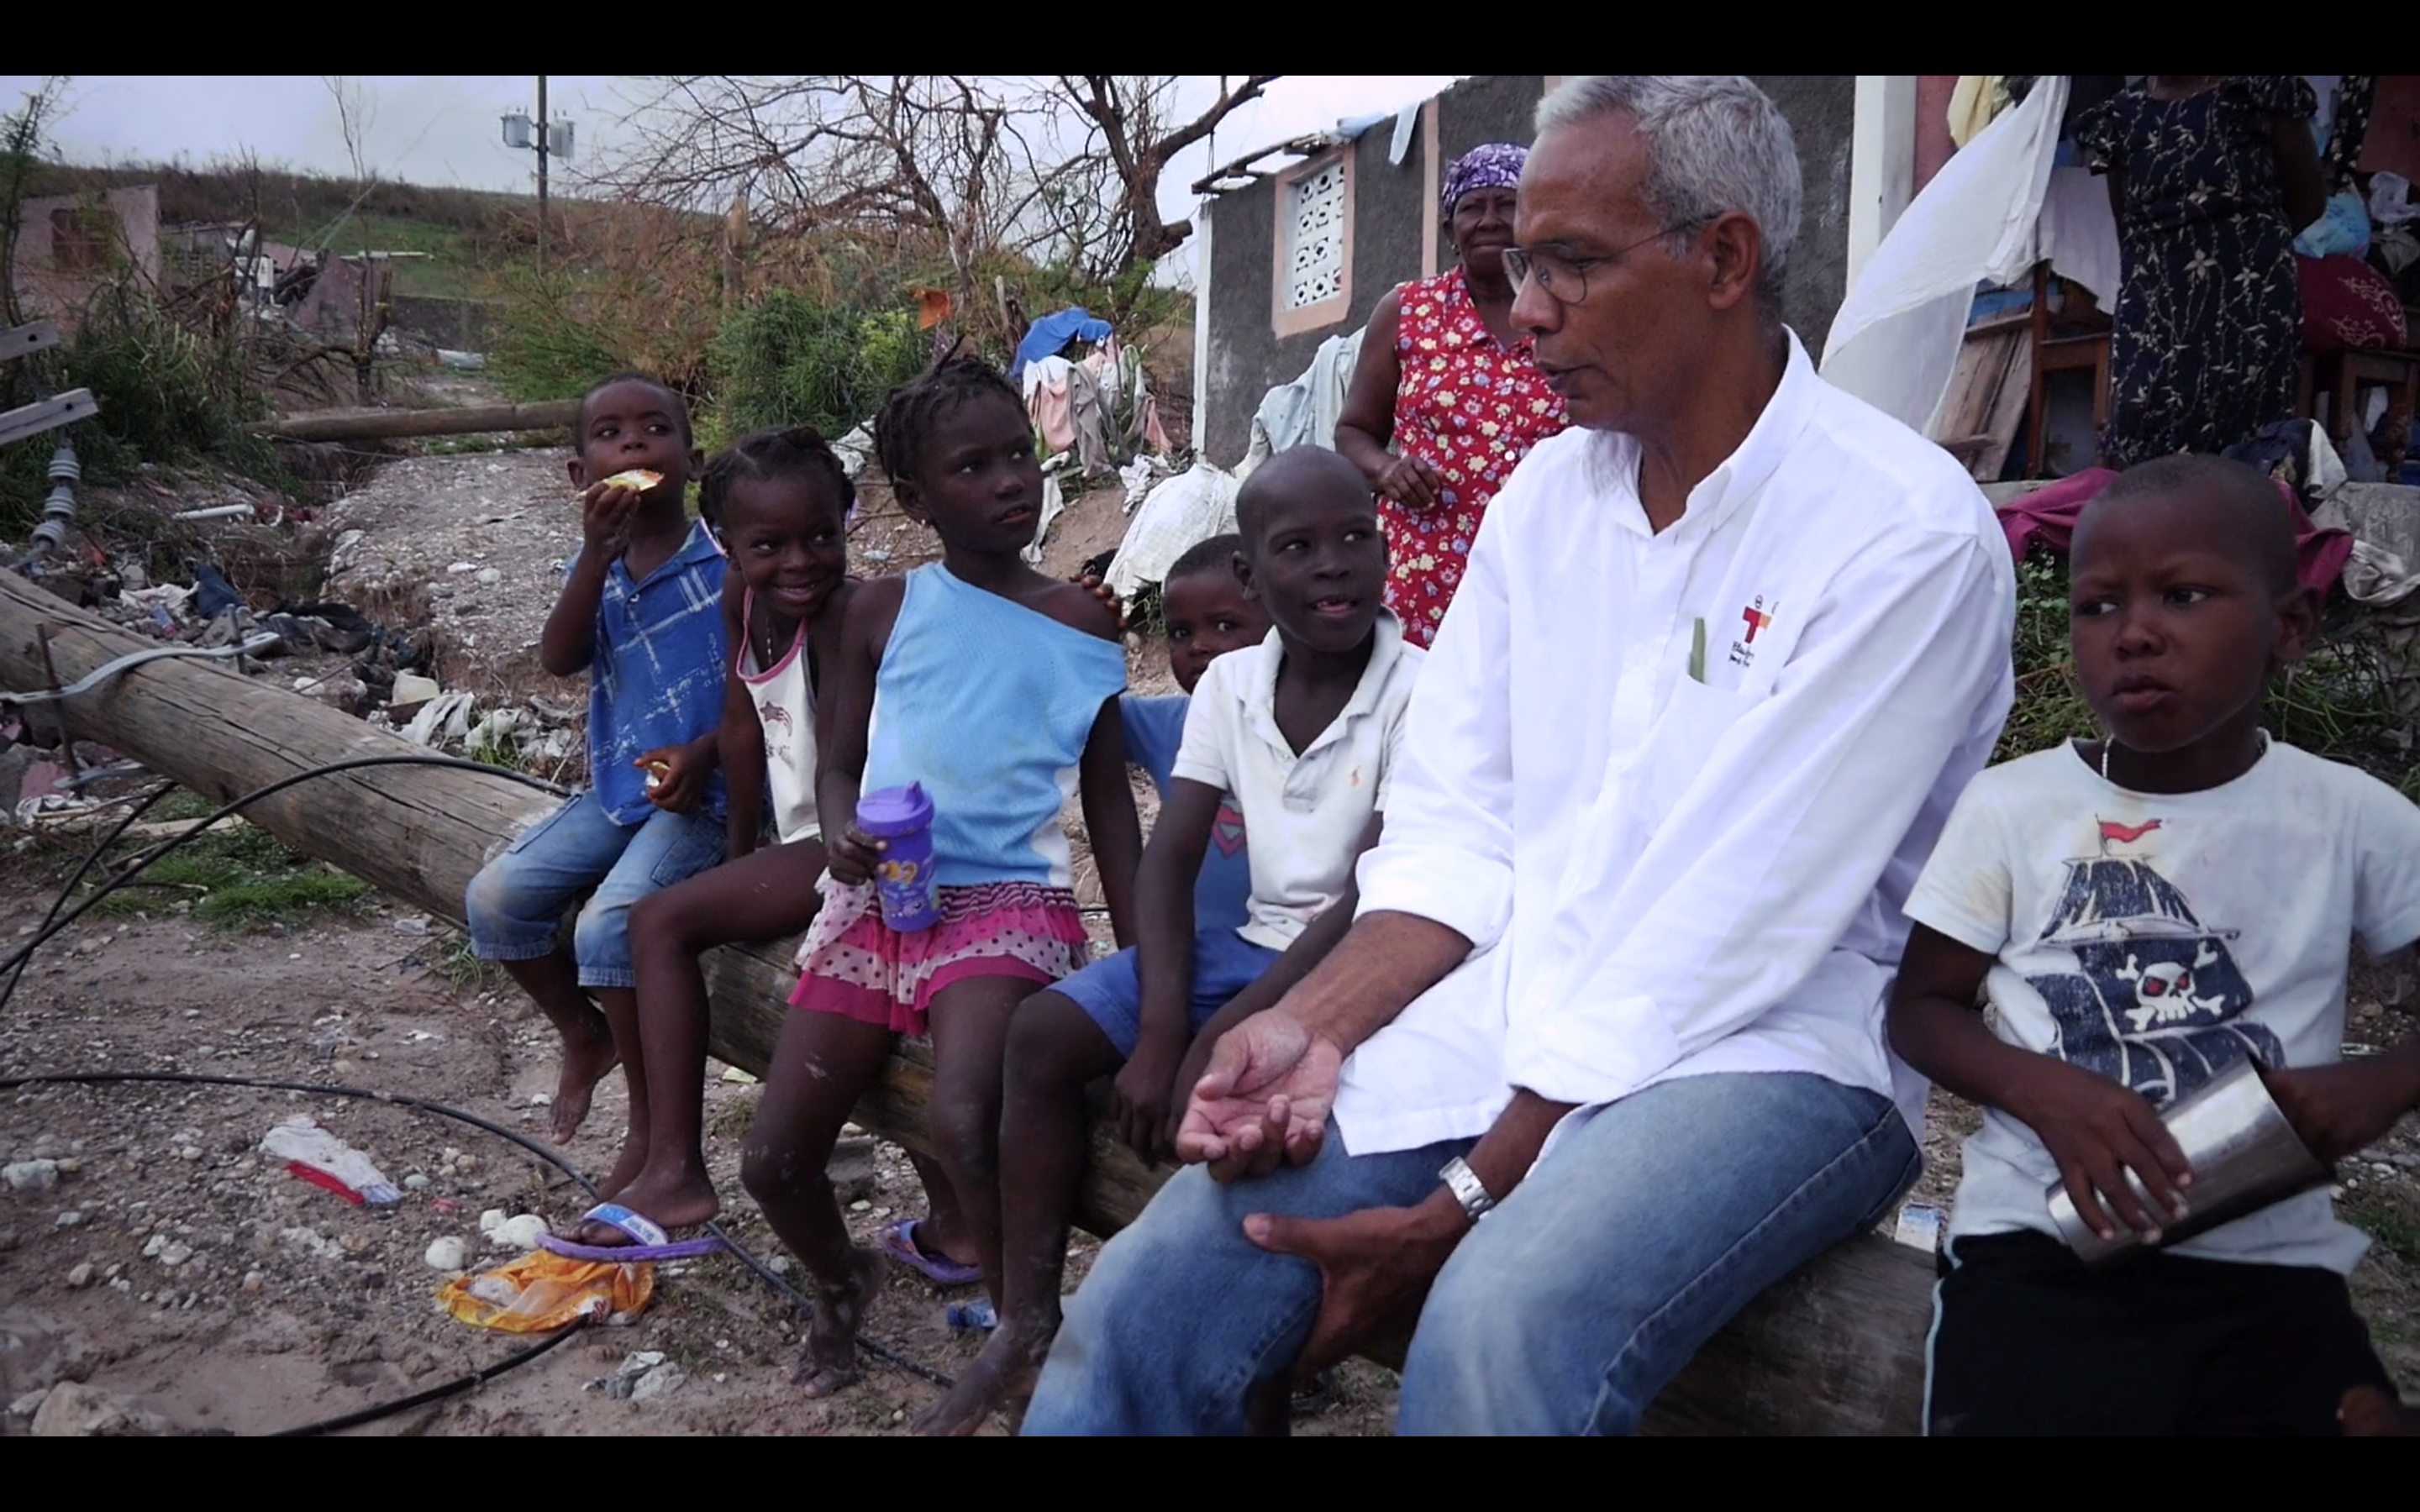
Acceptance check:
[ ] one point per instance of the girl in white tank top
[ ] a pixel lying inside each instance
(786, 713)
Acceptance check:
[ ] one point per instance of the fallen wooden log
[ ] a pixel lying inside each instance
(398, 425)
(1835, 1349)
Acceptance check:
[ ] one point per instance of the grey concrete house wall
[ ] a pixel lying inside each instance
(1249, 345)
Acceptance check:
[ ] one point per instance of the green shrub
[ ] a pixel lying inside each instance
(786, 360)
(549, 341)
(167, 394)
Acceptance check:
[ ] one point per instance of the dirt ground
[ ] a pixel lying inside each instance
(193, 1285)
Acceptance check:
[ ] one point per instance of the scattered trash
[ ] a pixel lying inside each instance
(449, 1254)
(975, 1317)
(213, 596)
(642, 1377)
(738, 1077)
(519, 1232)
(445, 717)
(1919, 1227)
(541, 1292)
(216, 512)
(1185, 510)
(409, 691)
(323, 1160)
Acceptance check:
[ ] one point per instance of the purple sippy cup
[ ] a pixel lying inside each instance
(902, 819)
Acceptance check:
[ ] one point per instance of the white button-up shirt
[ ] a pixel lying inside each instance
(1675, 787)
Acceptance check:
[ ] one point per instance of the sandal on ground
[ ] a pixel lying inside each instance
(648, 1240)
(898, 1241)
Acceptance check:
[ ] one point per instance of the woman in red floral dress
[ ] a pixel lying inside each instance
(1443, 374)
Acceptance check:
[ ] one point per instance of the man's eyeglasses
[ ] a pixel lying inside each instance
(1565, 279)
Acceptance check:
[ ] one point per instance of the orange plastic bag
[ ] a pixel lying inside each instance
(543, 1291)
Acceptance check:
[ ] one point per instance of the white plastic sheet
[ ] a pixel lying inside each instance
(1987, 217)
(1186, 509)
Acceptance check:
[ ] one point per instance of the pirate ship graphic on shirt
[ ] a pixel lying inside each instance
(2156, 1002)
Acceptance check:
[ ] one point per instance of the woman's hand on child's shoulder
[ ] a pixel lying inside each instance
(1084, 604)
(1093, 584)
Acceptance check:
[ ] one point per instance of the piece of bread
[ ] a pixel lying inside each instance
(638, 480)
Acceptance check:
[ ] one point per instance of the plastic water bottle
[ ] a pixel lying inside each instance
(902, 819)
(975, 1317)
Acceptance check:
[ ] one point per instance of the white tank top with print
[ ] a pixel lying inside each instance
(785, 706)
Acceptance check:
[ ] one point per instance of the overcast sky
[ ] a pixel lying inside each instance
(444, 129)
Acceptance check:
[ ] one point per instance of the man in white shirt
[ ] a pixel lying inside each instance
(1726, 653)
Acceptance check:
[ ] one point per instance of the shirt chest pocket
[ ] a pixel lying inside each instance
(1694, 723)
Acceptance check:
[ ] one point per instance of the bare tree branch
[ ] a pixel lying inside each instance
(957, 169)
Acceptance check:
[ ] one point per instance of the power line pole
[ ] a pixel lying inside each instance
(541, 172)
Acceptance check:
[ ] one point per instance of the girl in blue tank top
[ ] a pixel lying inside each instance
(996, 689)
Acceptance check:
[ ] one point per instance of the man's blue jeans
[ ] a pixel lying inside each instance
(1565, 1312)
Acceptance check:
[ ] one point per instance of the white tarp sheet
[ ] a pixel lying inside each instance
(1995, 208)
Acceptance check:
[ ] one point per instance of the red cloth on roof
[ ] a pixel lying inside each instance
(2049, 515)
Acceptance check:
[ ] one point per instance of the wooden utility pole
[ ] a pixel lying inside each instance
(393, 424)
(1836, 1348)
(541, 172)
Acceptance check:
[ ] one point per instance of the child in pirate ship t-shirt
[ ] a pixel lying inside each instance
(2141, 913)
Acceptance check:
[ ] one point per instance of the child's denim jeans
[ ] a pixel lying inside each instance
(515, 905)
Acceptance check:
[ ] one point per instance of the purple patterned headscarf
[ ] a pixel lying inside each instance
(1497, 165)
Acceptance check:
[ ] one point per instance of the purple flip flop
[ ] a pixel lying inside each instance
(898, 1241)
(648, 1240)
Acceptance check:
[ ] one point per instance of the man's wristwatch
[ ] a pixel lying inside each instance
(1466, 1188)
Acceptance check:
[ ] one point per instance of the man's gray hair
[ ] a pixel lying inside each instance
(1715, 143)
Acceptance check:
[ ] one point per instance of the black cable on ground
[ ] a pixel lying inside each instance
(25, 958)
(54, 923)
(349, 764)
(434, 1394)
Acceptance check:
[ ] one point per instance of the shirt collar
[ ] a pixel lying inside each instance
(1384, 652)
(699, 547)
(1752, 464)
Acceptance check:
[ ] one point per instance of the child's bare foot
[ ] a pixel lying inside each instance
(829, 1363)
(588, 1058)
(2369, 1413)
(1001, 1379)
(627, 1168)
(674, 1203)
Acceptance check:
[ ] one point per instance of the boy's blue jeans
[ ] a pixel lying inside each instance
(515, 904)
(1565, 1312)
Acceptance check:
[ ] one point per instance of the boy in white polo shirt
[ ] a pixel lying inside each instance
(1302, 731)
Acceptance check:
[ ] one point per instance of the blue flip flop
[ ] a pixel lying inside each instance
(897, 1239)
(648, 1240)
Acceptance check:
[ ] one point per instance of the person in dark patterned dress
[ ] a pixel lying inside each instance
(2210, 176)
